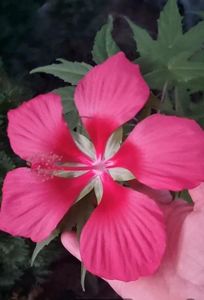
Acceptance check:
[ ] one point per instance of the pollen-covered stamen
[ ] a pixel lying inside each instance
(51, 165)
(45, 164)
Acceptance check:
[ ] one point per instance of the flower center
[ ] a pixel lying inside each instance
(99, 167)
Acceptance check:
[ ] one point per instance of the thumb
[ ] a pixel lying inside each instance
(70, 242)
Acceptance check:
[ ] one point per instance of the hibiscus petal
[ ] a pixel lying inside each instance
(108, 96)
(162, 196)
(127, 235)
(164, 152)
(37, 127)
(32, 207)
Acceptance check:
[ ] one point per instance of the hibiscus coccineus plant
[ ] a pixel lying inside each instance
(124, 236)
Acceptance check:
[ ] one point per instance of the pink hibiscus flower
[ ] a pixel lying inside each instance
(126, 229)
(181, 273)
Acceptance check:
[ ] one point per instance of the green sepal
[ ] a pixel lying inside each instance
(83, 277)
(41, 245)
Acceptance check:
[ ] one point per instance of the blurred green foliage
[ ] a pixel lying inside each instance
(15, 253)
(15, 264)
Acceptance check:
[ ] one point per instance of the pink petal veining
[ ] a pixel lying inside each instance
(32, 207)
(37, 127)
(164, 152)
(125, 230)
(110, 95)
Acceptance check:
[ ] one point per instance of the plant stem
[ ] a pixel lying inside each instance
(164, 92)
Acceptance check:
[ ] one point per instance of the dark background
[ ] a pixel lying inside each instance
(34, 33)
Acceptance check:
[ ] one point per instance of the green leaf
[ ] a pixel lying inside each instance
(198, 56)
(186, 196)
(169, 24)
(157, 78)
(195, 85)
(193, 39)
(67, 96)
(144, 41)
(104, 45)
(41, 245)
(69, 108)
(182, 101)
(72, 119)
(185, 70)
(68, 71)
(174, 57)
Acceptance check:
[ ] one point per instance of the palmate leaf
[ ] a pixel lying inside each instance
(158, 77)
(145, 43)
(193, 39)
(170, 25)
(173, 56)
(104, 45)
(184, 69)
(69, 108)
(187, 70)
(68, 71)
(195, 85)
(72, 119)
(67, 96)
